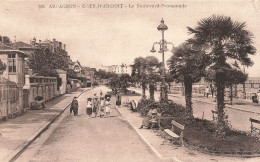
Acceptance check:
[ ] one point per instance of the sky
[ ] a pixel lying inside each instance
(112, 36)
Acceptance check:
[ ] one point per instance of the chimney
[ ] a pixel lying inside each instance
(54, 45)
(33, 41)
(64, 47)
(60, 45)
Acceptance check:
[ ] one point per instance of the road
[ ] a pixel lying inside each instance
(238, 119)
(78, 138)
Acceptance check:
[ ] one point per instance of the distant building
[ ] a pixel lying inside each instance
(90, 73)
(118, 69)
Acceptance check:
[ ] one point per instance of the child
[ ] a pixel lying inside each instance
(95, 106)
(108, 109)
(102, 107)
(89, 107)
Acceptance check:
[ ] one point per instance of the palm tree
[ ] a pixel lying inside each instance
(223, 39)
(187, 65)
(152, 69)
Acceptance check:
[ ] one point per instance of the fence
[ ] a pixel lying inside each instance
(39, 86)
(9, 98)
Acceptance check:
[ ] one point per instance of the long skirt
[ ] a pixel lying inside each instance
(118, 103)
(89, 110)
(108, 109)
(94, 109)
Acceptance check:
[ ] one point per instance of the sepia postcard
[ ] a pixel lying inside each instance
(130, 81)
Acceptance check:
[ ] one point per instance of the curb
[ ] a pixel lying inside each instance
(146, 142)
(20, 149)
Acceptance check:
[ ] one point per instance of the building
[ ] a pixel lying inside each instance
(90, 74)
(118, 69)
(12, 80)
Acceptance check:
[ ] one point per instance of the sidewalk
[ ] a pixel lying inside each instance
(165, 150)
(18, 133)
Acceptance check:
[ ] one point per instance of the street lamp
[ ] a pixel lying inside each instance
(163, 48)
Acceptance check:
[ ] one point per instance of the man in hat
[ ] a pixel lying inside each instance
(151, 119)
(95, 106)
(74, 106)
(107, 95)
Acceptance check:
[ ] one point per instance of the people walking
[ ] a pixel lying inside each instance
(207, 92)
(101, 93)
(95, 106)
(118, 99)
(107, 108)
(89, 107)
(74, 106)
(102, 107)
(107, 96)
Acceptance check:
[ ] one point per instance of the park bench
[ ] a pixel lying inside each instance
(174, 135)
(254, 128)
(214, 115)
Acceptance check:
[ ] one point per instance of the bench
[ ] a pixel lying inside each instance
(174, 135)
(214, 115)
(253, 128)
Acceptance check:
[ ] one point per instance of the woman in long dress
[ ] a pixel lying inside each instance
(108, 109)
(102, 107)
(95, 106)
(89, 107)
(118, 99)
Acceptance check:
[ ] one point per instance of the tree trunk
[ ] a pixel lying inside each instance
(169, 83)
(182, 89)
(220, 84)
(188, 96)
(235, 91)
(143, 90)
(231, 93)
(151, 90)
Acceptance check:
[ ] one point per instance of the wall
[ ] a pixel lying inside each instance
(41, 86)
(9, 99)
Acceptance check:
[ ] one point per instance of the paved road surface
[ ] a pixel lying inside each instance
(238, 119)
(82, 139)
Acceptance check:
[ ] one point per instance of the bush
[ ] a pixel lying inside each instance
(166, 109)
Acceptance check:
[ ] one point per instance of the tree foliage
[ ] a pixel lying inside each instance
(146, 71)
(223, 39)
(187, 65)
(2, 67)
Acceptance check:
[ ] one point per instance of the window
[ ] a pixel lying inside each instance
(11, 63)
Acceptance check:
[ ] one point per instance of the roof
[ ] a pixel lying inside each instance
(8, 49)
(5, 47)
(20, 44)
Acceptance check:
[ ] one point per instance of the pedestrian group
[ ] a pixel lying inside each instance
(95, 105)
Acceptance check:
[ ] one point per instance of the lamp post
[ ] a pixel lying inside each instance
(163, 48)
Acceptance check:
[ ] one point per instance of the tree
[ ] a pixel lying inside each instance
(152, 72)
(125, 82)
(2, 67)
(169, 79)
(41, 64)
(187, 64)
(45, 63)
(234, 76)
(139, 73)
(114, 81)
(223, 39)
(146, 70)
